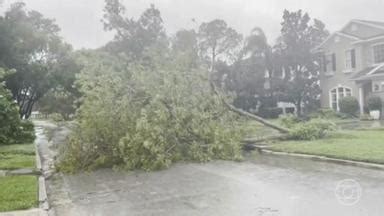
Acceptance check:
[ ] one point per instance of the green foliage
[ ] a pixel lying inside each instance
(217, 40)
(366, 117)
(349, 105)
(375, 103)
(147, 117)
(325, 113)
(133, 37)
(246, 77)
(299, 36)
(311, 130)
(30, 44)
(12, 128)
(289, 120)
(57, 117)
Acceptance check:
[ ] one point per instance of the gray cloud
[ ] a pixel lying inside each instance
(81, 26)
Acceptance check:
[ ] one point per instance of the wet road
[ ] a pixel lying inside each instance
(260, 186)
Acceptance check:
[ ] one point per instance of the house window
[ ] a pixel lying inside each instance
(378, 53)
(329, 63)
(378, 86)
(336, 94)
(350, 59)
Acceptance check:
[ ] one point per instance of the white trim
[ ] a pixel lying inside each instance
(347, 35)
(369, 39)
(348, 70)
(332, 35)
(377, 44)
(361, 100)
(375, 69)
(351, 36)
(368, 24)
(337, 95)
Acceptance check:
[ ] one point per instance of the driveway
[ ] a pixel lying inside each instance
(261, 186)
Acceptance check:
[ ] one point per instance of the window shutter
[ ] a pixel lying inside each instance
(353, 58)
(324, 63)
(334, 62)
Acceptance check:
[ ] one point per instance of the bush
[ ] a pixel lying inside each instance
(325, 113)
(349, 105)
(366, 117)
(57, 117)
(311, 130)
(375, 103)
(12, 128)
(289, 120)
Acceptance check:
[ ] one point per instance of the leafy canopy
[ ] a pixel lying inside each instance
(143, 117)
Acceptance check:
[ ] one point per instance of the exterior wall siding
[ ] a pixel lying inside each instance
(340, 77)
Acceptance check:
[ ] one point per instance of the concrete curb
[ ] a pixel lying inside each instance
(43, 197)
(29, 212)
(266, 150)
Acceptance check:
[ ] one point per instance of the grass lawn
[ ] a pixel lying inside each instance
(18, 192)
(359, 145)
(28, 149)
(17, 156)
(256, 129)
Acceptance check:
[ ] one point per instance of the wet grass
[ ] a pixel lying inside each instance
(26, 149)
(359, 145)
(256, 129)
(16, 161)
(18, 192)
(17, 156)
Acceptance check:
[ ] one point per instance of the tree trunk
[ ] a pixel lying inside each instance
(247, 114)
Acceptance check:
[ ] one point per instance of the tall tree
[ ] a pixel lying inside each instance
(133, 37)
(184, 43)
(30, 44)
(218, 41)
(246, 76)
(299, 35)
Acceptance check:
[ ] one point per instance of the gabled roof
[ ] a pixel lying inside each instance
(368, 73)
(376, 24)
(373, 24)
(343, 34)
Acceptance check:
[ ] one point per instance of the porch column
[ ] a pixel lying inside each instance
(361, 99)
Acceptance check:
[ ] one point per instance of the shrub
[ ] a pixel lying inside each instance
(375, 103)
(12, 128)
(366, 117)
(349, 105)
(311, 130)
(289, 120)
(325, 113)
(57, 117)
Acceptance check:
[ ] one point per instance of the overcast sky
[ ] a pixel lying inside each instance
(81, 26)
